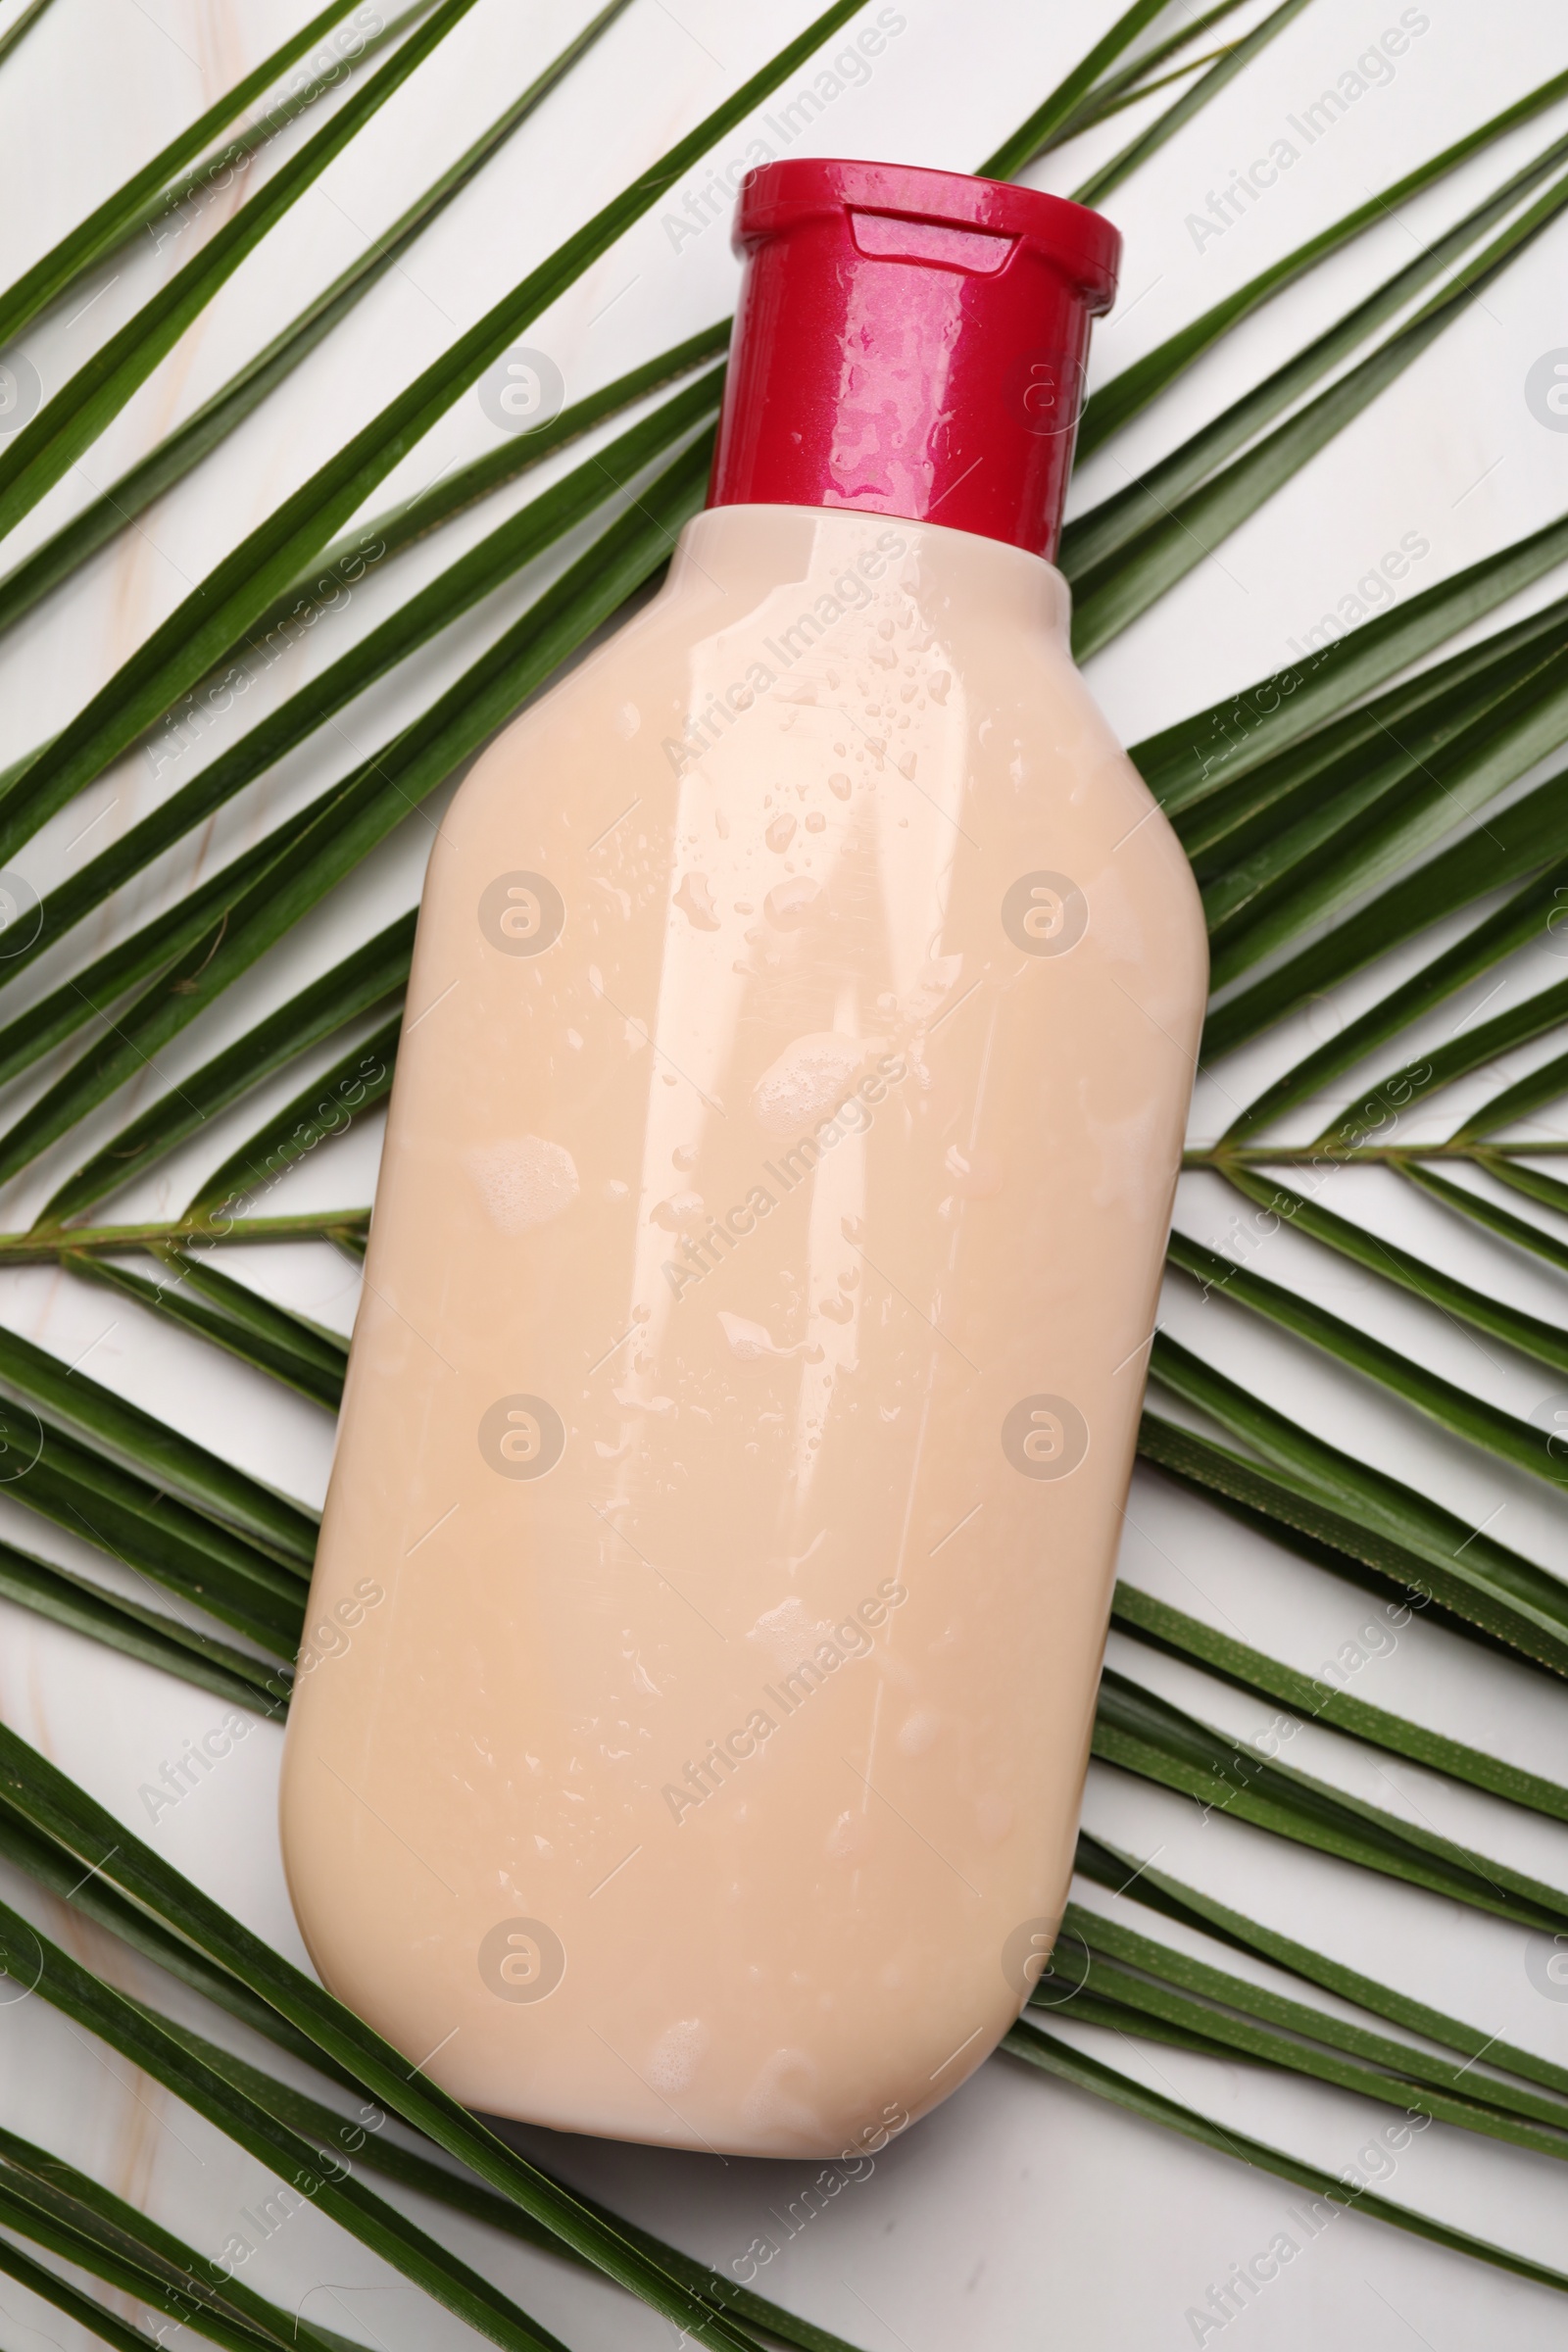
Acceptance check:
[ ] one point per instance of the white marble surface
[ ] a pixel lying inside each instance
(1022, 2212)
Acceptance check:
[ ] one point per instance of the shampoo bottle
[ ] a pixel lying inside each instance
(703, 1640)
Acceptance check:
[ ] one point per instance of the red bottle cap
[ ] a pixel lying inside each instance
(911, 343)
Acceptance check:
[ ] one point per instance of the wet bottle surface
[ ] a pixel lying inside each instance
(744, 1392)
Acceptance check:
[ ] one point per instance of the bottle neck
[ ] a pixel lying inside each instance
(813, 569)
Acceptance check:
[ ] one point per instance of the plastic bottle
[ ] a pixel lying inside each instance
(703, 1642)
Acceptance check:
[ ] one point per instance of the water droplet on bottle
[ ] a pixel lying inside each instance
(694, 899)
(839, 785)
(682, 1213)
(788, 904)
(780, 833)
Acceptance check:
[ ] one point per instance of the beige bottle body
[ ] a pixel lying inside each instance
(703, 1640)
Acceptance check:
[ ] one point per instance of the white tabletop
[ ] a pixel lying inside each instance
(1022, 2213)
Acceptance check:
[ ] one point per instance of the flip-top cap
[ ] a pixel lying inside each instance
(913, 343)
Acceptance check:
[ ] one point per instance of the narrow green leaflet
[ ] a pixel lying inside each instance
(1147, 1735)
(50, 2288)
(50, 275)
(1105, 530)
(1148, 1976)
(115, 509)
(162, 1543)
(66, 1395)
(1529, 833)
(1318, 1701)
(370, 980)
(90, 994)
(1107, 1866)
(1452, 1408)
(1033, 136)
(1546, 1344)
(57, 1870)
(1122, 398)
(1470, 1051)
(149, 1634)
(1030, 2041)
(1523, 1179)
(1212, 747)
(1485, 1212)
(497, 558)
(56, 2207)
(356, 1083)
(213, 173)
(1130, 84)
(1519, 1102)
(1304, 1483)
(46, 447)
(462, 2194)
(1279, 1504)
(56, 1809)
(33, 1959)
(20, 25)
(372, 800)
(1413, 781)
(1535, 913)
(214, 1306)
(1112, 595)
(1229, 823)
(1436, 798)
(1122, 166)
(453, 493)
(215, 615)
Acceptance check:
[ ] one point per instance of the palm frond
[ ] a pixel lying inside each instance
(116, 508)
(63, 263)
(213, 619)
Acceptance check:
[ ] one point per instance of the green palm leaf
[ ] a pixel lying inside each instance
(313, 855)
(1147, 1735)
(1172, 1630)
(1117, 402)
(1029, 2041)
(214, 1306)
(498, 558)
(1310, 1489)
(117, 507)
(49, 277)
(1214, 748)
(50, 1805)
(215, 614)
(1115, 592)
(67, 425)
(1156, 1889)
(1148, 142)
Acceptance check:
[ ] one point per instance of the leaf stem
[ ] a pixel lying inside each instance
(47, 1245)
(1224, 1155)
